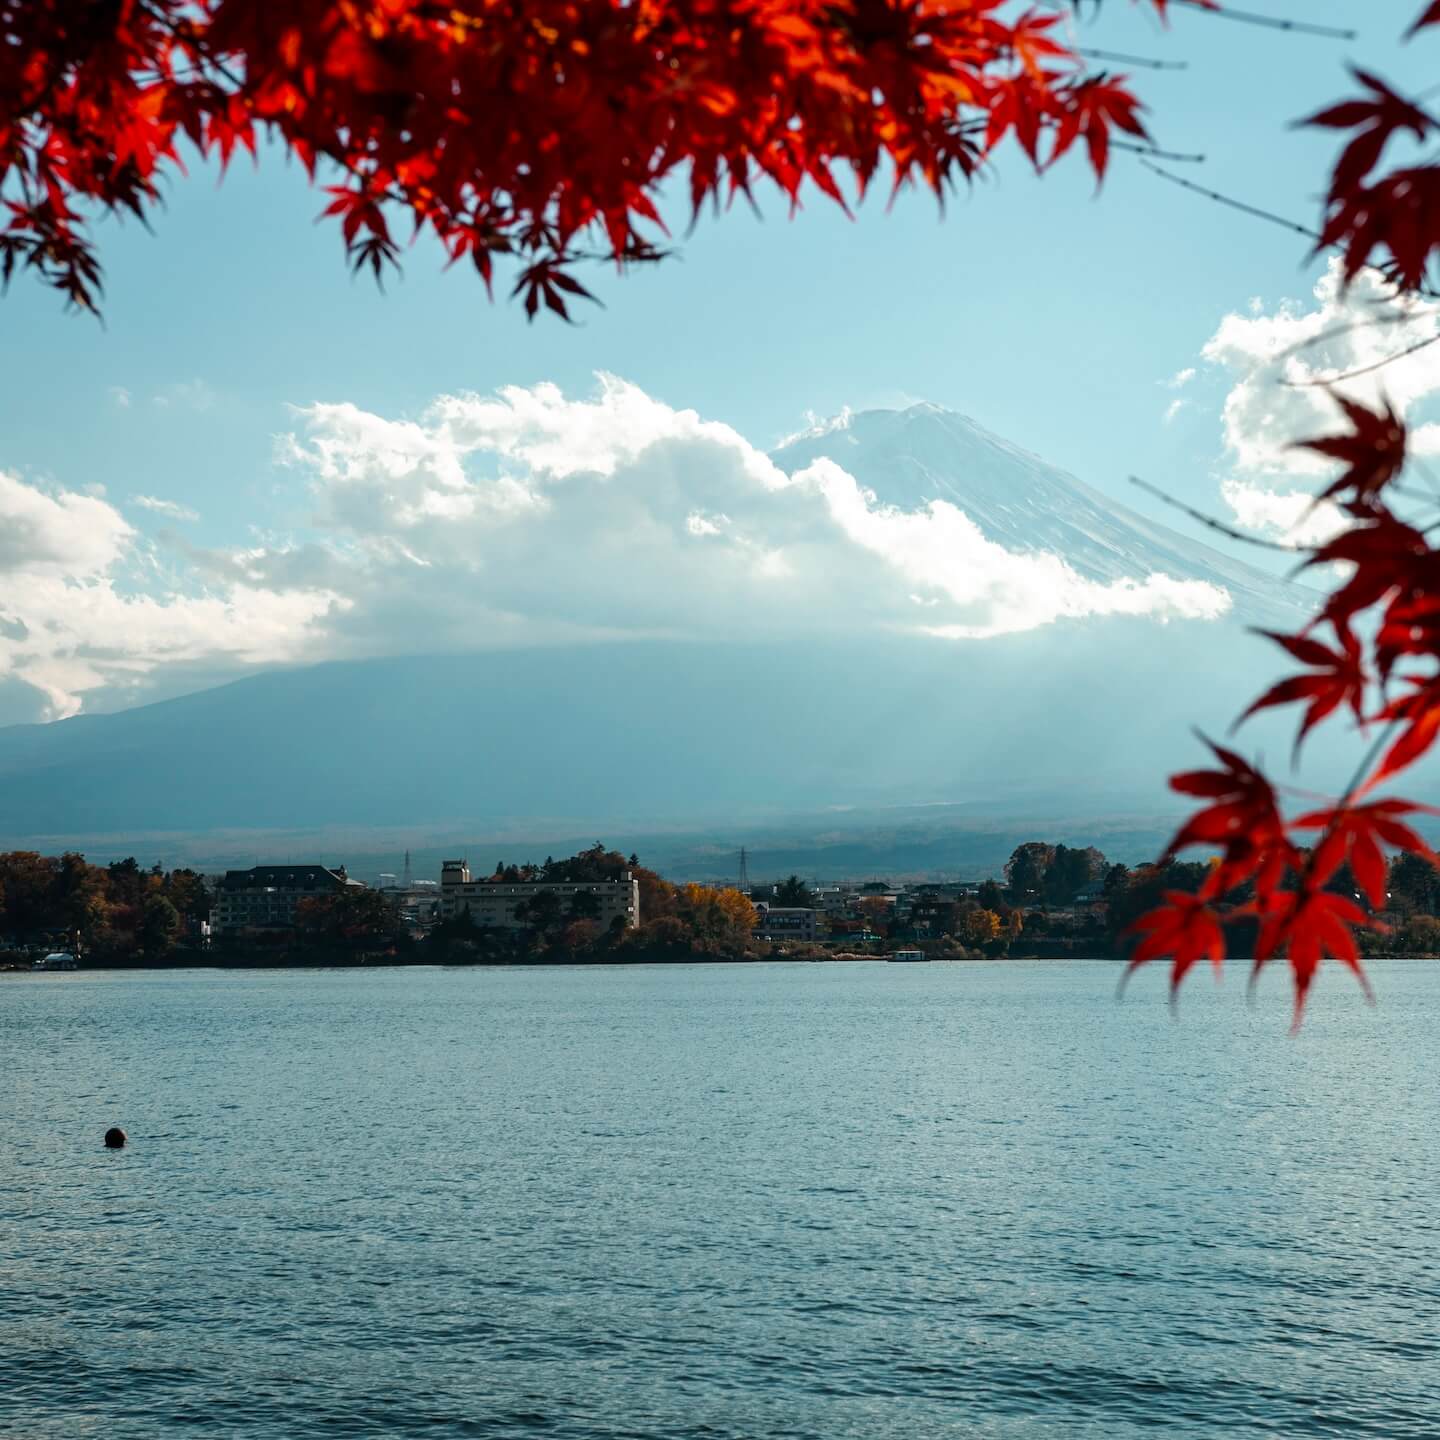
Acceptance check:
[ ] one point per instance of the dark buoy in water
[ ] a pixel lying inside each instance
(115, 1138)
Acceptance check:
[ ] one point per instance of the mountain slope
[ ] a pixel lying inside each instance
(911, 457)
(1078, 716)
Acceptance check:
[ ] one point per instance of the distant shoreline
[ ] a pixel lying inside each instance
(391, 964)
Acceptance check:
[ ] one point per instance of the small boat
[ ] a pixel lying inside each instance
(55, 960)
(903, 956)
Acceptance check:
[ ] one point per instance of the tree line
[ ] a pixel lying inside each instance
(111, 912)
(1050, 899)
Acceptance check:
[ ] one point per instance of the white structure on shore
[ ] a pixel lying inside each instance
(506, 906)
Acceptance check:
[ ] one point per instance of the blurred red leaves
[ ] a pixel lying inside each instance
(541, 131)
(1279, 874)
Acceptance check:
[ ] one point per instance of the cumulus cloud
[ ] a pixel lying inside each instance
(524, 517)
(1291, 513)
(618, 514)
(80, 608)
(170, 509)
(1280, 360)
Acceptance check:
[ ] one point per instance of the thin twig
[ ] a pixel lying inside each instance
(1240, 205)
(1118, 57)
(1210, 522)
(1175, 156)
(1340, 332)
(1363, 370)
(1270, 22)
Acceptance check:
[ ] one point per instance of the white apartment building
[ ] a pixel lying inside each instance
(785, 922)
(494, 904)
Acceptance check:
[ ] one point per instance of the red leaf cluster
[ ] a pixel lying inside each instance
(1278, 873)
(1391, 220)
(541, 130)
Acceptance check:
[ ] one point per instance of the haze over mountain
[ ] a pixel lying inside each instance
(1077, 716)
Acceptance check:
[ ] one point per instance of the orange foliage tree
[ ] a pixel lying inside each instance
(538, 130)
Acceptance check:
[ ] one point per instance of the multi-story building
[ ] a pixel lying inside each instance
(503, 905)
(264, 898)
(784, 922)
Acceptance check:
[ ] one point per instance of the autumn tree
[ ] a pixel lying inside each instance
(186, 890)
(981, 927)
(1070, 871)
(33, 892)
(991, 896)
(353, 915)
(159, 926)
(83, 899)
(875, 909)
(723, 919)
(1025, 871)
(1414, 884)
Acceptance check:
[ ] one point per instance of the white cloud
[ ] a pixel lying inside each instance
(1291, 514)
(119, 397)
(1280, 359)
(523, 517)
(75, 615)
(1180, 379)
(1173, 409)
(538, 516)
(170, 509)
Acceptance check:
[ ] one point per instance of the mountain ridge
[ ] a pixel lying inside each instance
(926, 452)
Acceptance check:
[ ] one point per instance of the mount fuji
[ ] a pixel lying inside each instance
(1076, 717)
(925, 453)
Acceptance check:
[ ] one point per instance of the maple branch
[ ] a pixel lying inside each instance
(1270, 22)
(1155, 152)
(1210, 522)
(1364, 369)
(1239, 205)
(1341, 331)
(1118, 57)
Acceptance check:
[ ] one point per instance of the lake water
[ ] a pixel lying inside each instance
(735, 1201)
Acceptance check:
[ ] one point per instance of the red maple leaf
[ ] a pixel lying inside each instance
(1430, 16)
(1378, 117)
(1385, 554)
(1242, 817)
(1418, 717)
(1357, 833)
(1309, 926)
(1339, 678)
(1373, 453)
(1183, 927)
(1399, 213)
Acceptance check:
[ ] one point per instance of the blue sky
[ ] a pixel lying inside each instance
(1048, 313)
